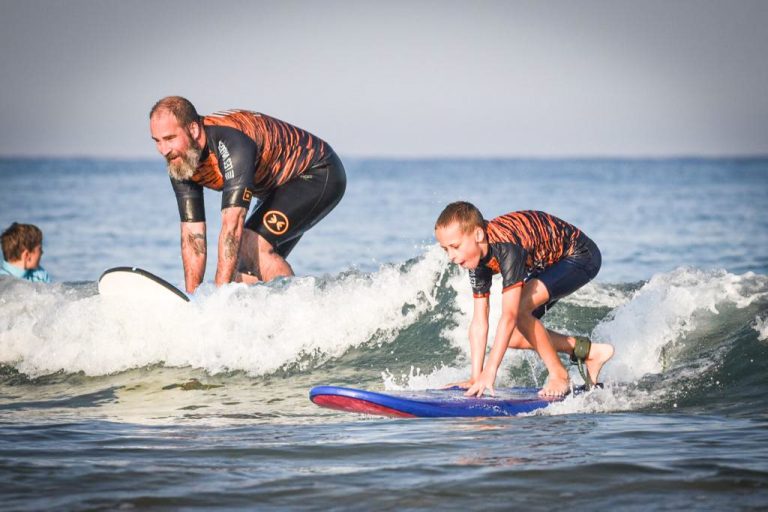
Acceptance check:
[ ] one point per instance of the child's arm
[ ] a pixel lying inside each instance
(510, 304)
(478, 336)
(478, 339)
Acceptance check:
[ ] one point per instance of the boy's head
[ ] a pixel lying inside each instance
(23, 243)
(460, 231)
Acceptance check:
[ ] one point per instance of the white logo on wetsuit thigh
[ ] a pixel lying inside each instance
(229, 171)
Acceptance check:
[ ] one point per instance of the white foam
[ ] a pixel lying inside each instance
(256, 329)
(596, 295)
(761, 326)
(611, 398)
(415, 379)
(665, 310)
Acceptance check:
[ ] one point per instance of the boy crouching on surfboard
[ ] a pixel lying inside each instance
(541, 259)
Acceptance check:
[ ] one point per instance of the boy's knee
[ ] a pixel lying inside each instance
(518, 342)
(526, 322)
(527, 307)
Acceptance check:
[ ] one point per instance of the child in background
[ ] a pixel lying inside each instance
(541, 259)
(22, 251)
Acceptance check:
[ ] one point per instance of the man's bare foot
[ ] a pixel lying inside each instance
(555, 387)
(599, 354)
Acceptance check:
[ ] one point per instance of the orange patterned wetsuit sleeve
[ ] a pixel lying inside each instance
(520, 243)
(247, 154)
(284, 151)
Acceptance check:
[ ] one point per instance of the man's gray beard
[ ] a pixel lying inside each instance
(186, 168)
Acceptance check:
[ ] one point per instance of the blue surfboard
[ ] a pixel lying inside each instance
(430, 403)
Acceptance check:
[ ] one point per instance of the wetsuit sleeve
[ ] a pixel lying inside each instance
(511, 258)
(480, 278)
(237, 156)
(189, 197)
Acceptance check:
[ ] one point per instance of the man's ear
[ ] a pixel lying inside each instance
(194, 130)
(479, 234)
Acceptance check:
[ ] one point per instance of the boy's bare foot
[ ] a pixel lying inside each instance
(555, 387)
(599, 354)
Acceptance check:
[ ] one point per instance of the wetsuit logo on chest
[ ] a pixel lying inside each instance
(229, 171)
(276, 222)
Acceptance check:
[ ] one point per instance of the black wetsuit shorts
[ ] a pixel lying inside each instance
(291, 209)
(570, 273)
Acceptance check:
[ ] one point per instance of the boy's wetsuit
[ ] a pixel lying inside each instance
(532, 244)
(297, 176)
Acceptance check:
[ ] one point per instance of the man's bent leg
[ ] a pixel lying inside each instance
(258, 260)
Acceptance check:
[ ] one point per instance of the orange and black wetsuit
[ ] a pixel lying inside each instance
(532, 244)
(296, 176)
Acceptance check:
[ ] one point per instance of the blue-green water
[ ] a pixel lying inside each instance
(93, 414)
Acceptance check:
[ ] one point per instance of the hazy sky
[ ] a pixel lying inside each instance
(387, 78)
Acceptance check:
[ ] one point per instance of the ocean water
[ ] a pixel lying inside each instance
(204, 405)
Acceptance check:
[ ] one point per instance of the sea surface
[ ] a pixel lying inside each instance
(204, 406)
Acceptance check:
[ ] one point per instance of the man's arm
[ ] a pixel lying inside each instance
(510, 305)
(232, 222)
(236, 153)
(193, 253)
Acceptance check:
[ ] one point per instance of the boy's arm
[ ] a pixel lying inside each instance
(510, 304)
(478, 336)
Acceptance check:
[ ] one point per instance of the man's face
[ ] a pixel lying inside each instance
(463, 248)
(176, 144)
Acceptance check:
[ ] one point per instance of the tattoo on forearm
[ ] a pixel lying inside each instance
(230, 246)
(197, 242)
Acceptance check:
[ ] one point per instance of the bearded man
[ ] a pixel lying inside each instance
(296, 177)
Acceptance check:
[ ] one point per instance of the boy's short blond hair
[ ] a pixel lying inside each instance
(466, 214)
(19, 238)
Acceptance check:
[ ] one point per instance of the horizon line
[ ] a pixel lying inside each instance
(351, 156)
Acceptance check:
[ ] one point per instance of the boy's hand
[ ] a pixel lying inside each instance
(463, 384)
(485, 381)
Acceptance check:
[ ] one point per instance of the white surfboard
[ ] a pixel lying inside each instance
(133, 283)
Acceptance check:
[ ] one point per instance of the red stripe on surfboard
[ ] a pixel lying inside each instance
(345, 403)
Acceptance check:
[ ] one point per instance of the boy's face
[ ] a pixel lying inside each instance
(463, 247)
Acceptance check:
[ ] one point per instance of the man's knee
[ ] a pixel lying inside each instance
(264, 246)
(249, 254)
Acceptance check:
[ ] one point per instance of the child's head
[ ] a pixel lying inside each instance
(23, 243)
(460, 231)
